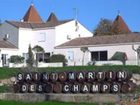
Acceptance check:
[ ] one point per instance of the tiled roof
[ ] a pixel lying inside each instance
(6, 44)
(32, 20)
(32, 16)
(120, 26)
(36, 25)
(52, 19)
(100, 40)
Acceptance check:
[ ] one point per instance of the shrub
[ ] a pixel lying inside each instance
(121, 56)
(16, 59)
(58, 58)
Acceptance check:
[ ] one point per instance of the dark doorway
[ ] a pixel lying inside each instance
(43, 57)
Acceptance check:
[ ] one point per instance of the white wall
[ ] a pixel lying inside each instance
(131, 54)
(112, 49)
(68, 29)
(44, 38)
(77, 56)
(22, 37)
(6, 28)
(54, 36)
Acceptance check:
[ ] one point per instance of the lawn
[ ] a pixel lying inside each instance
(45, 103)
(8, 72)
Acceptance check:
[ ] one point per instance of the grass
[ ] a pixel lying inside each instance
(2, 102)
(9, 72)
(5, 89)
(133, 69)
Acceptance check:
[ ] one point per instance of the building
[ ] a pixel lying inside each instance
(6, 50)
(102, 47)
(34, 31)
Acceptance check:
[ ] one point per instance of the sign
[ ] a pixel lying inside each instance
(74, 82)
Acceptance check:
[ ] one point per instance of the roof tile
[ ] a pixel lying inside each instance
(32, 16)
(100, 40)
(36, 25)
(53, 19)
(120, 26)
(6, 44)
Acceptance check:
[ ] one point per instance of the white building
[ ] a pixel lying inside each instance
(32, 30)
(102, 47)
(6, 50)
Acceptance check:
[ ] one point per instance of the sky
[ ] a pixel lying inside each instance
(89, 11)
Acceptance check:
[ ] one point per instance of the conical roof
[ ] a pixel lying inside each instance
(120, 26)
(32, 15)
(52, 19)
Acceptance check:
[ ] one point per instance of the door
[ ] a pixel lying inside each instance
(5, 61)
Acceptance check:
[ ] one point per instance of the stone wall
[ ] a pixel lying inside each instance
(86, 98)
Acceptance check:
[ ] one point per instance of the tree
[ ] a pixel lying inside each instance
(38, 49)
(30, 60)
(104, 27)
(107, 27)
(84, 50)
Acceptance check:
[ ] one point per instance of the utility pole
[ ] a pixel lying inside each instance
(76, 18)
(137, 50)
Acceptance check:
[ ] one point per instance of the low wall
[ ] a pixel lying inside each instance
(128, 62)
(108, 63)
(40, 64)
(100, 63)
(12, 65)
(86, 98)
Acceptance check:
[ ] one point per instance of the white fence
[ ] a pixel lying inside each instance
(40, 64)
(58, 64)
(79, 63)
(128, 62)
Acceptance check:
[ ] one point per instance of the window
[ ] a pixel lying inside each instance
(70, 55)
(5, 61)
(99, 55)
(42, 37)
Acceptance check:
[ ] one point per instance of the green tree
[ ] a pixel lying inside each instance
(38, 49)
(104, 27)
(84, 50)
(30, 60)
